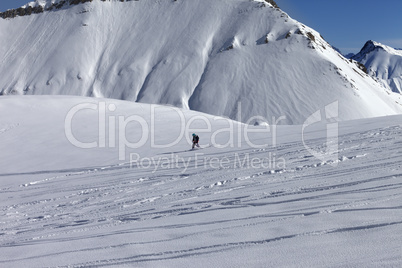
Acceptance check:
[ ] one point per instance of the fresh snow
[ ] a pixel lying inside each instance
(93, 182)
(69, 207)
(203, 55)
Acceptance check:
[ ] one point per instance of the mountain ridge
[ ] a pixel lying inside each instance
(208, 56)
(382, 62)
(39, 6)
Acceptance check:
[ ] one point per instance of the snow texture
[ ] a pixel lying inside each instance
(69, 207)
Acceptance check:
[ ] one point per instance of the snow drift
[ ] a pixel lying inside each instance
(228, 57)
(62, 206)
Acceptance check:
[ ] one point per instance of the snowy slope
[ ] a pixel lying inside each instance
(383, 62)
(69, 207)
(204, 55)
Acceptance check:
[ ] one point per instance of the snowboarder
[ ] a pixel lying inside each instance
(195, 140)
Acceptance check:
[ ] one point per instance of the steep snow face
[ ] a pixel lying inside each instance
(382, 62)
(234, 58)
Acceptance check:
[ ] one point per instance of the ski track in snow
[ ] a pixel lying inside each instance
(5, 128)
(167, 216)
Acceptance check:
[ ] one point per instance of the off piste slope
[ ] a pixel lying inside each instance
(383, 62)
(235, 58)
(241, 206)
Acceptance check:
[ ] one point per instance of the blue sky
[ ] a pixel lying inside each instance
(345, 24)
(9, 4)
(348, 24)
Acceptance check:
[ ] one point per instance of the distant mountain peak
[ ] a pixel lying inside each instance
(382, 62)
(349, 55)
(368, 47)
(371, 46)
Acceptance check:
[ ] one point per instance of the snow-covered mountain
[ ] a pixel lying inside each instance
(383, 62)
(349, 55)
(205, 55)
